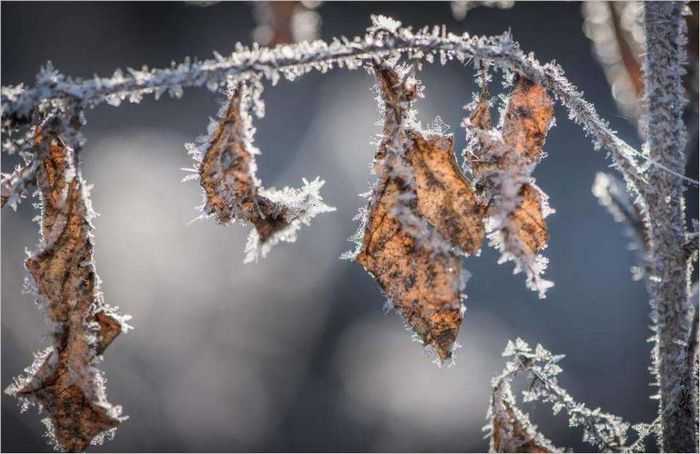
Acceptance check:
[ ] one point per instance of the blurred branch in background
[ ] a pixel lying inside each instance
(286, 22)
(617, 33)
(616, 30)
(461, 8)
(613, 195)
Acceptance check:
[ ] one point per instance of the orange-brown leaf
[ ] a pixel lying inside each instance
(226, 172)
(231, 189)
(502, 163)
(422, 284)
(66, 383)
(513, 433)
(445, 196)
(528, 117)
(529, 221)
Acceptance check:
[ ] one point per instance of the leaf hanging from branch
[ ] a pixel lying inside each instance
(64, 379)
(503, 160)
(421, 214)
(226, 170)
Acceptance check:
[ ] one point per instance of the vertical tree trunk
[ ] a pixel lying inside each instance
(667, 263)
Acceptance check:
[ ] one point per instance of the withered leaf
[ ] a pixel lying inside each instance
(503, 163)
(481, 117)
(528, 118)
(511, 430)
(66, 382)
(445, 197)
(76, 417)
(232, 191)
(421, 283)
(226, 172)
(528, 220)
(422, 212)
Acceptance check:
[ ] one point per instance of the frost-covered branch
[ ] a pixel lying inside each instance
(692, 382)
(667, 262)
(692, 244)
(602, 430)
(384, 39)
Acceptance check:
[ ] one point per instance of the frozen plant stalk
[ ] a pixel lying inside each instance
(668, 264)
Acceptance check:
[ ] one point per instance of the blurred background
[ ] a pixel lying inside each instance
(294, 353)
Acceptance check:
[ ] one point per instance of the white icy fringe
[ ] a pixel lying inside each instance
(602, 430)
(303, 205)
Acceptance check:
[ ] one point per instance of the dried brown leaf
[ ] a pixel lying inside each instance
(422, 211)
(232, 191)
(528, 118)
(226, 173)
(528, 220)
(502, 162)
(511, 430)
(65, 382)
(445, 197)
(422, 284)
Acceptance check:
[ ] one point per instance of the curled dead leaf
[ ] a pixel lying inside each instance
(528, 220)
(65, 380)
(233, 192)
(502, 162)
(512, 431)
(528, 118)
(421, 214)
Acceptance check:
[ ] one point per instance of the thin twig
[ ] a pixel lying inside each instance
(385, 38)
